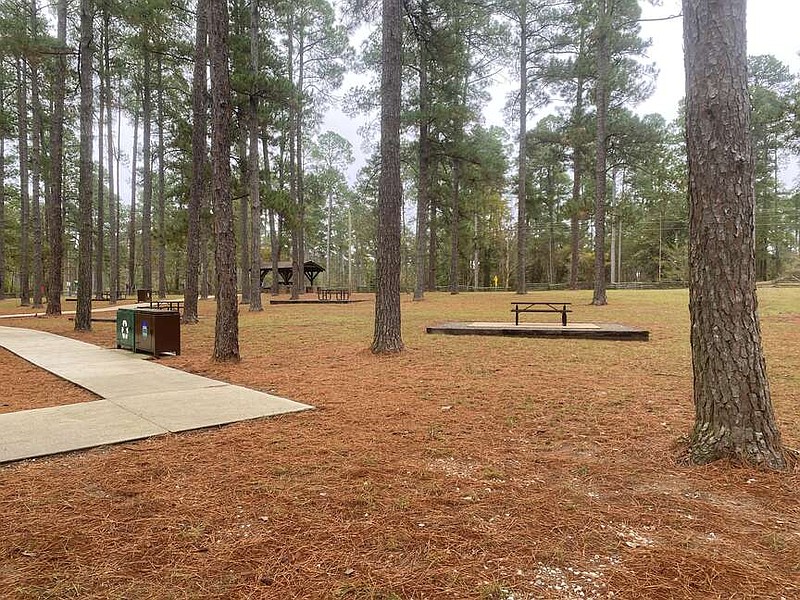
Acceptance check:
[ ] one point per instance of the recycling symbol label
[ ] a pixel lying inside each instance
(123, 329)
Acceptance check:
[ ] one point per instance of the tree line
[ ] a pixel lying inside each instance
(590, 165)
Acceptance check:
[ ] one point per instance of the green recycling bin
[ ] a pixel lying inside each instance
(157, 331)
(125, 329)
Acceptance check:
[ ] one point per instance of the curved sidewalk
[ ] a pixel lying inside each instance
(139, 399)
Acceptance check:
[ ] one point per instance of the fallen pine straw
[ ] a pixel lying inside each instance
(464, 468)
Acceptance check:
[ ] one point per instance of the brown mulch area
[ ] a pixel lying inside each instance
(465, 467)
(26, 386)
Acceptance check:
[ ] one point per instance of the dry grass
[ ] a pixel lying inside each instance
(466, 467)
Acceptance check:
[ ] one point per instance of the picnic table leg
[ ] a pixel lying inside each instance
(516, 315)
(563, 316)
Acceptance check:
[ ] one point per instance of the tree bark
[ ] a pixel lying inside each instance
(198, 180)
(253, 171)
(522, 197)
(83, 310)
(118, 198)
(244, 210)
(24, 200)
(54, 200)
(329, 232)
(113, 199)
(226, 331)
(388, 333)
(205, 237)
(577, 173)
(162, 192)
(147, 174)
(433, 243)
(601, 101)
(297, 266)
(99, 253)
(476, 252)
(614, 277)
(734, 417)
(2, 210)
(455, 222)
(299, 175)
(423, 183)
(132, 224)
(36, 179)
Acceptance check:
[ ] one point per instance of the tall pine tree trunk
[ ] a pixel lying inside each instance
(253, 171)
(198, 180)
(244, 228)
(205, 243)
(132, 224)
(328, 233)
(455, 222)
(99, 254)
(226, 331)
(388, 333)
(734, 417)
(2, 209)
(113, 199)
(476, 253)
(601, 152)
(297, 263)
(24, 199)
(433, 243)
(577, 174)
(522, 196)
(83, 310)
(301, 202)
(147, 175)
(162, 192)
(36, 180)
(54, 200)
(423, 184)
(118, 200)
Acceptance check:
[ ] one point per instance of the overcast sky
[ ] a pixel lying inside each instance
(773, 28)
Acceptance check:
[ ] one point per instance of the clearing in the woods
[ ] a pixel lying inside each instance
(465, 467)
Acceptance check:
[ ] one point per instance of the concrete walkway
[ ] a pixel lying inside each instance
(70, 312)
(139, 398)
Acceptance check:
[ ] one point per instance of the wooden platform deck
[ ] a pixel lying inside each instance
(316, 301)
(590, 331)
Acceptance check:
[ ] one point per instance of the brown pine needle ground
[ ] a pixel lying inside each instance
(466, 467)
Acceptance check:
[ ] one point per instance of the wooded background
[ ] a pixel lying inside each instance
(480, 208)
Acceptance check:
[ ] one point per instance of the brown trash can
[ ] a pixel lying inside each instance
(157, 331)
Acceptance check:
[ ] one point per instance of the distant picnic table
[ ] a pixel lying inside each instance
(168, 304)
(106, 295)
(541, 307)
(146, 295)
(333, 294)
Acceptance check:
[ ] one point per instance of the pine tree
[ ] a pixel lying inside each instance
(226, 331)
(734, 417)
(388, 333)
(83, 311)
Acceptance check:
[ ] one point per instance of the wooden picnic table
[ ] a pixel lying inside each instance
(546, 307)
(106, 295)
(333, 294)
(168, 304)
